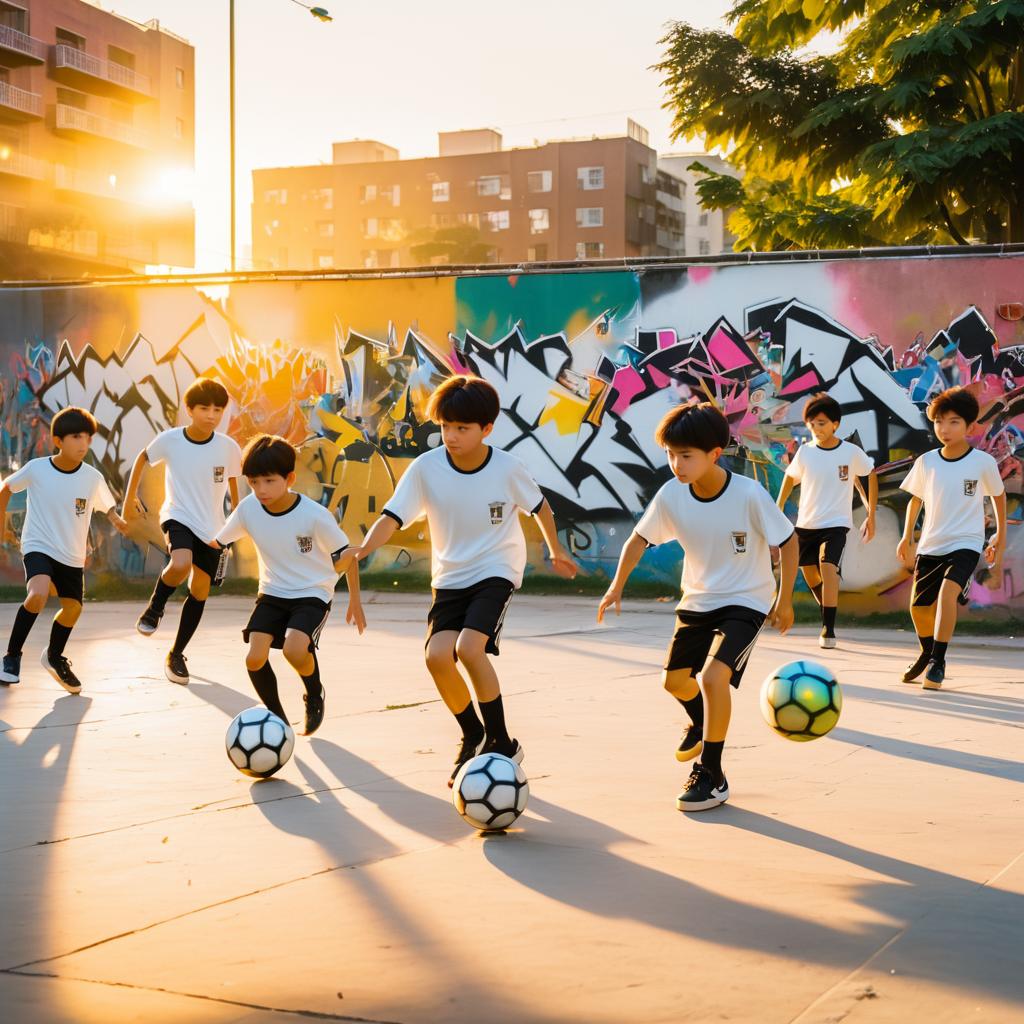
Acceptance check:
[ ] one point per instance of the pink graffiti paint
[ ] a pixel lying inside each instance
(666, 338)
(629, 384)
(699, 275)
(726, 352)
(806, 380)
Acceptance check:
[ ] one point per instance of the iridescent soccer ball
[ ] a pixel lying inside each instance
(490, 792)
(259, 743)
(801, 700)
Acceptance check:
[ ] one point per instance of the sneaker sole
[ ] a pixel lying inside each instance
(827, 643)
(689, 755)
(8, 679)
(53, 672)
(145, 630)
(180, 680)
(929, 685)
(704, 805)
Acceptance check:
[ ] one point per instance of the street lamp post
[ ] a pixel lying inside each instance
(321, 14)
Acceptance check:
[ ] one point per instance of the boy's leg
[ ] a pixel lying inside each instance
(440, 656)
(53, 659)
(261, 673)
(471, 649)
(682, 684)
(945, 612)
(175, 572)
(37, 591)
(191, 614)
(301, 655)
(829, 575)
(812, 577)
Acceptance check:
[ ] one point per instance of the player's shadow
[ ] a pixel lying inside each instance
(979, 764)
(948, 703)
(222, 697)
(917, 887)
(567, 858)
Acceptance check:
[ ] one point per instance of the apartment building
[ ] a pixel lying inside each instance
(475, 202)
(705, 232)
(97, 128)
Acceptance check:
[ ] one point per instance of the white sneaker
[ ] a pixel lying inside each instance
(826, 643)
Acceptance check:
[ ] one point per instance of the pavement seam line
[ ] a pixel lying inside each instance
(314, 1014)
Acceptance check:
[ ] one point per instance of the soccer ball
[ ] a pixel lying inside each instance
(801, 700)
(259, 743)
(490, 792)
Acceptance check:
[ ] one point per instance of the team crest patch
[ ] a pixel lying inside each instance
(497, 510)
(305, 544)
(80, 506)
(739, 543)
(970, 488)
(844, 473)
(218, 474)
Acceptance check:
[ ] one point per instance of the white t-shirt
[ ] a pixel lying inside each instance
(826, 476)
(725, 542)
(60, 505)
(475, 531)
(953, 492)
(196, 478)
(294, 547)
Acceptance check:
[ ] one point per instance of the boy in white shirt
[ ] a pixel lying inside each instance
(302, 551)
(826, 472)
(725, 525)
(62, 493)
(471, 495)
(951, 483)
(202, 466)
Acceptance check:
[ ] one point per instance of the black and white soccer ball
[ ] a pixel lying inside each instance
(259, 743)
(490, 792)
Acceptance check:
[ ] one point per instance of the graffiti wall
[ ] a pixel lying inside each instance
(586, 363)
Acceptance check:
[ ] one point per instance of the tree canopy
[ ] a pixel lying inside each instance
(909, 131)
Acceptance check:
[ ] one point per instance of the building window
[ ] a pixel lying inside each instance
(495, 220)
(540, 221)
(367, 193)
(590, 217)
(370, 227)
(123, 57)
(589, 250)
(390, 229)
(179, 128)
(325, 228)
(323, 197)
(590, 178)
(322, 259)
(646, 174)
(369, 257)
(65, 37)
(440, 191)
(472, 219)
(704, 247)
(275, 196)
(537, 253)
(179, 78)
(489, 185)
(538, 181)
(703, 219)
(72, 98)
(442, 220)
(391, 194)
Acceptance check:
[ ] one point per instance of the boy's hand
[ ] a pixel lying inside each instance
(903, 551)
(119, 524)
(613, 596)
(344, 562)
(354, 616)
(994, 553)
(781, 616)
(867, 529)
(132, 510)
(563, 564)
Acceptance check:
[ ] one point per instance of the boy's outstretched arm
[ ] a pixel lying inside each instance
(130, 507)
(632, 552)
(5, 497)
(781, 615)
(788, 484)
(354, 614)
(870, 500)
(233, 491)
(907, 540)
(561, 561)
(119, 524)
(994, 550)
(380, 533)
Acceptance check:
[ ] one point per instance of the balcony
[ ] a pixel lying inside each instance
(84, 71)
(81, 122)
(17, 49)
(20, 165)
(19, 105)
(72, 179)
(12, 223)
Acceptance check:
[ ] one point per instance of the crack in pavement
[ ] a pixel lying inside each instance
(313, 1014)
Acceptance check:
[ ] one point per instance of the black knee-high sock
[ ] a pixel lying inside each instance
(926, 643)
(694, 708)
(312, 681)
(191, 613)
(828, 619)
(264, 682)
(161, 592)
(471, 726)
(711, 757)
(938, 654)
(493, 713)
(58, 638)
(23, 623)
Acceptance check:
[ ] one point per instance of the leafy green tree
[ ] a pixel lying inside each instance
(911, 131)
(462, 243)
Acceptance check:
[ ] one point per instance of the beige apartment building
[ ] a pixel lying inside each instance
(97, 128)
(577, 199)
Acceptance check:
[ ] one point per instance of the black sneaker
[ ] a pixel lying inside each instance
(510, 748)
(60, 668)
(314, 711)
(148, 621)
(175, 668)
(934, 676)
(700, 792)
(691, 744)
(913, 671)
(11, 671)
(466, 752)
(827, 641)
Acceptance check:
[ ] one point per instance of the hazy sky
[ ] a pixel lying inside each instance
(402, 70)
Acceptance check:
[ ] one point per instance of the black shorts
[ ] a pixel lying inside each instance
(68, 580)
(726, 634)
(276, 615)
(181, 537)
(931, 571)
(480, 607)
(817, 546)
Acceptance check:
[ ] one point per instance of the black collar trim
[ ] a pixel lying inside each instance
(290, 508)
(714, 497)
(192, 440)
(970, 449)
(469, 472)
(66, 472)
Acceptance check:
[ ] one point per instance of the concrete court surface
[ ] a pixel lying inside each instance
(873, 876)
